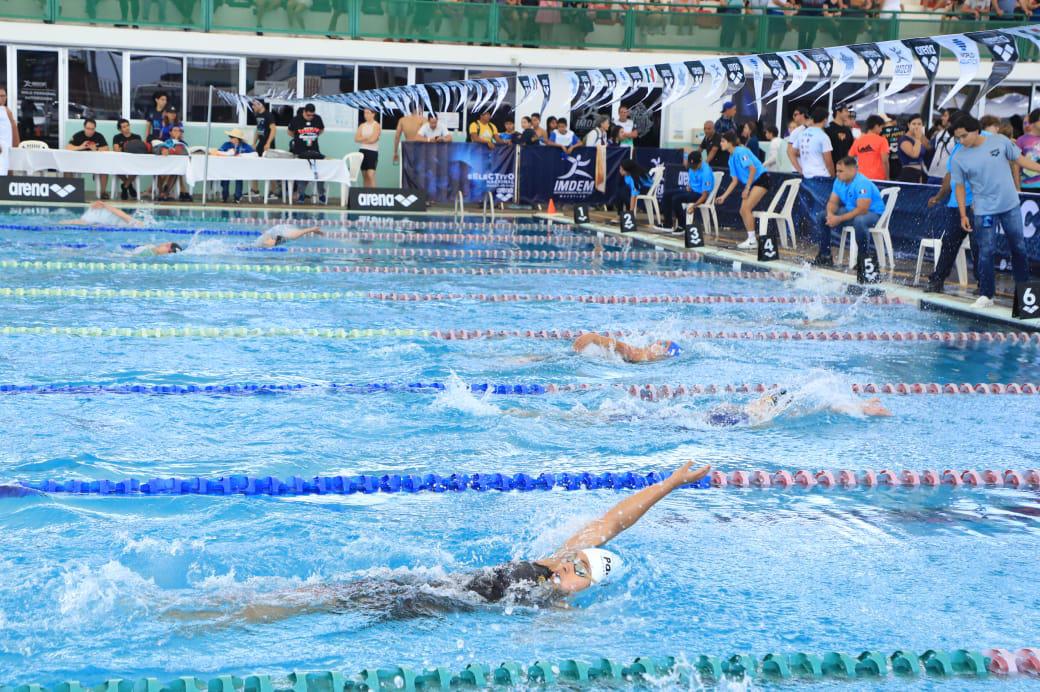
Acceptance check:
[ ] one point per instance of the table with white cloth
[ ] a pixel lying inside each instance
(255, 168)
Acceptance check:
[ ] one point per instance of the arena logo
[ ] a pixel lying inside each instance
(577, 181)
(33, 189)
(389, 199)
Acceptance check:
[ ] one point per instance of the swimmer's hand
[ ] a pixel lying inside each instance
(874, 407)
(684, 476)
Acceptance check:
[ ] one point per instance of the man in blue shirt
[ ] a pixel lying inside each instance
(235, 146)
(745, 168)
(855, 201)
(701, 183)
(725, 123)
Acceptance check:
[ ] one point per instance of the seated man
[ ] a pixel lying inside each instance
(127, 142)
(89, 139)
(235, 146)
(701, 183)
(433, 130)
(855, 200)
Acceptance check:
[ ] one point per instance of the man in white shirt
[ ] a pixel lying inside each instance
(563, 138)
(798, 118)
(433, 130)
(812, 148)
(628, 134)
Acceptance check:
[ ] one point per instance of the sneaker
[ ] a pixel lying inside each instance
(238, 200)
(983, 302)
(323, 200)
(934, 286)
(749, 244)
(823, 261)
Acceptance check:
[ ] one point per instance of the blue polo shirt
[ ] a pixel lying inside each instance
(701, 179)
(860, 187)
(740, 163)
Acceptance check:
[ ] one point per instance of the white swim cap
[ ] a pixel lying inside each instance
(603, 564)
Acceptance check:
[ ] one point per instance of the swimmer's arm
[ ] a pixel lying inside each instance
(630, 510)
(300, 232)
(121, 214)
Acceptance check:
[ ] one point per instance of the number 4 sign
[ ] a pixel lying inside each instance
(1027, 301)
(769, 246)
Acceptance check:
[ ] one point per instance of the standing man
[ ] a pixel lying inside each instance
(725, 122)
(367, 137)
(1029, 143)
(89, 139)
(798, 114)
(953, 235)
(263, 139)
(854, 199)
(840, 132)
(627, 132)
(483, 131)
(154, 117)
(711, 148)
(701, 183)
(8, 133)
(982, 162)
(408, 127)
(305, 129)
(871, 150)
(814, 160)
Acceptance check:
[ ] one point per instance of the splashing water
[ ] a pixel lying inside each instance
(457, 396)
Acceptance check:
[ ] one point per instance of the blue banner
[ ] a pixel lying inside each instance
(675, 174)
(548, 173)
(444, 169)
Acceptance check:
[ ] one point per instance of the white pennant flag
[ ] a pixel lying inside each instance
(682, 84)
(797, 69)
(753, 64)
(719, 81)
(967, 54)
(502, 89)
(1030, 33)
(903, 70)
(845, 65)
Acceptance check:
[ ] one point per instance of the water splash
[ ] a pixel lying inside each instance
(457, 396)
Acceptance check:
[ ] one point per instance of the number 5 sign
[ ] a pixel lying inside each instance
(1027, 301)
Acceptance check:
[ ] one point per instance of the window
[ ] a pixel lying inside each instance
(95, 84)
(505, 111)
(221, 73)
(377, 77)
(152, 73)
(275, 75)
(323, 79)
(432, 75)
(37, 82)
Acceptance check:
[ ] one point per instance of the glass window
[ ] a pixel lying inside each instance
(221, 73)
(505, 111)
(276, 75)
(152, 73)
(95, 84)
(432, 75)
(37, 82)
(379, 77)
(326, 79)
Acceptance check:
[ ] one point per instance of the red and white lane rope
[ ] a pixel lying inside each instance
(394, 237)
(845, 479)
(453, 253)
(940, 337)
(394, 222)
(631, 300)
(553, 271)
(653, 392)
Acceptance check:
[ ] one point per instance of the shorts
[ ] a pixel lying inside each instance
(763, 181)
(369, 159)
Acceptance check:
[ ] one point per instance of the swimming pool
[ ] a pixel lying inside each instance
(99, 587)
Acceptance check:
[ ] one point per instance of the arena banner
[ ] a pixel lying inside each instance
(39, 189)
(548, 173)
(442, 170)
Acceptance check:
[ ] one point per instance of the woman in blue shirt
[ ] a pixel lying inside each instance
(635, 181)
(746, 168)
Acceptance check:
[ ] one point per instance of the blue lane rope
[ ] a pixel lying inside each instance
(257, 388)
(365, 484)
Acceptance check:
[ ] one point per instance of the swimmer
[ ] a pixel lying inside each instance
(159, 249)
(630, 354)
(103, 214)
(578, 564)
(770, 405)
(279, 235)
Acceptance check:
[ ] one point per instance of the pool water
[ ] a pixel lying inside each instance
(103, 587)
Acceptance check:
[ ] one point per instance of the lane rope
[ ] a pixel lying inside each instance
(203, 294)
(165, 266)
(684, 671)
(369, 237)
(650, 392)
(262, 224)
(843, 479)
(452, 253)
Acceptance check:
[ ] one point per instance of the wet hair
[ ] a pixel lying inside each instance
(819, 114)
(174, 247)
(967, 123)
(848, 161)
(731, 137)
(874, 121)
(632, 168)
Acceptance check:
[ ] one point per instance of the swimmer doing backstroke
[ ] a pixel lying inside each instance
(767, 407)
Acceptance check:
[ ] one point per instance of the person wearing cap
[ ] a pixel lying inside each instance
(235, 146)
(592, 343)
(725, 122)
(173, 145)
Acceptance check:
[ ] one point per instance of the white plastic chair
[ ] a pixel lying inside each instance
(353, 162)
(286, 192)
(653, 210)
(709, 217)
(935, 245)
(34, 145)
(882, 238)
(780, 210)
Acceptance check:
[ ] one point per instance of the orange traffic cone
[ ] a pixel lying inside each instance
(552, 207)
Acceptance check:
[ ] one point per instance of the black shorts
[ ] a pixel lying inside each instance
(763, 181)
(371, 158)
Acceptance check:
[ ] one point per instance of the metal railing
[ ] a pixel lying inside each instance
(621, 26)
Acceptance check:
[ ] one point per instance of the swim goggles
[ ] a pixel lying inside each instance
(580, 569)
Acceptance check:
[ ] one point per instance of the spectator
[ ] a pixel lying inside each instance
(749, 138)
(433, 130)
(942, 125)
(990, 124)
(893, 131)
(798, 114)
(712, 149)
(701, 183)
(536, 125)
(1008, 10)
(174, 145)
(510, 136)
(89, 139)
(871, 150)
(776, 160)
(264, 137)
(725, 122)
(169, 119)
(306, 129)
(953, 235)
(840, 132)
(943, 144)
(599, 135)
(913, 148)
(8, 133)
(550, 127)
(483, 131)
(807, 28)
(855, 199)
(629, 133)
(528, 134)
(982, 163)
(748, 170)
(563, 138)
(408, 126)
(812, 150)
(154, 117)
(1029, 143)
(367, 138)
(973, 10)
(127, 142)
(635, 181)
(235, 146)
